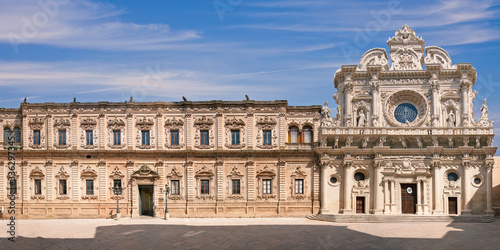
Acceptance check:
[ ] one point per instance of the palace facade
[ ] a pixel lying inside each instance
(404, 141)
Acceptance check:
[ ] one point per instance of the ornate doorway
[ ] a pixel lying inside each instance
(452, 205)
(146, 200)
(408, 198)
(360, 205)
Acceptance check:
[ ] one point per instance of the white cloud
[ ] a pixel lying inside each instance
(82, 24)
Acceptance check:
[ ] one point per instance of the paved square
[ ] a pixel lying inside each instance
(247, 233)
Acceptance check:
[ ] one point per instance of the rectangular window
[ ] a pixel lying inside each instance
(204, 137)
(89, 135)
(299, 186)
(174, 137)
(62, 137)
(117, 183)
(38, 186)
(267, 137)
(145, 137)
(235, 137)
(13, 186)
(36, 137)
(62, 187)
(175, 190)
(90, 187)
(236, 186)
(117, 137)
(266, 186)
(204, 187)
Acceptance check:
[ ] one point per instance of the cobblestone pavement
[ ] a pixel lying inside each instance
(247, 233)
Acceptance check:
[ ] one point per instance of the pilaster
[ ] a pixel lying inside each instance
(219, 130)
(49, 177)
(282, 180)
(219, 165)
(130, 131)
(250, 180)
(74, 181)
(25, 180)
(102, 181)
(160, 131)
(190, 180)
(102, 131)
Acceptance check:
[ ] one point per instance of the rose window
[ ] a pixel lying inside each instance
(405, 112)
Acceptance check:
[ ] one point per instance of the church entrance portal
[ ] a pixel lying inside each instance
(146, 200)
(408, 198)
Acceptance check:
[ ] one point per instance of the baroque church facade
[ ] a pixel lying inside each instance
(403, 141)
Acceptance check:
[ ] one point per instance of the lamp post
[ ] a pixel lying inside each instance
(117, 191)
(167, 190)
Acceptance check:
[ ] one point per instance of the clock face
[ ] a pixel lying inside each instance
(405, 112)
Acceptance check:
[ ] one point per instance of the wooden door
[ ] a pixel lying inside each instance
(408, 198)
(360, 205)
(146, 197)
(452, 205)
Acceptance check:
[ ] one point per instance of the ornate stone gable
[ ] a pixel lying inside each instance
(36, 123)
(89, 124)
(145, 172)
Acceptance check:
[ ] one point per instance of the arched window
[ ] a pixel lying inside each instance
(293, 136)
(307, 134)
(6, 134)
(17, 135)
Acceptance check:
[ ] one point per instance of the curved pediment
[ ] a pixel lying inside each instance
(437, 55)
(374, 57)
(145, 172)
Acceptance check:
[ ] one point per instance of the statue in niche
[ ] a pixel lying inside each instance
(336, 145)
(361, 118)
(325, 111)
(478, 142)
(451, 119)
(484, 110)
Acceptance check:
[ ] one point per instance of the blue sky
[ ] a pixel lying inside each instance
(54, 50)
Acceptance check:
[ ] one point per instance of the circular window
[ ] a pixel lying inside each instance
(405, 112)
(477, 181)
(333, 180)
(359, 176)
(452, 176)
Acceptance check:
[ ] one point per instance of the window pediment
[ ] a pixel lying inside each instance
(116, 123)
(88, 123)
(36, 123)
(61, 122)
(62, 174)
(36, 173)
(204, 172)
(204, 122)
(116, 174)
(266, 172)
(266, 122)
(144, 123)
(88, 173)
(174, 123)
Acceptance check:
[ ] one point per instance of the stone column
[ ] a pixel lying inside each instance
(393, 197)
(376, 101)
(324, 187)
(347, 189)
(438, 197)
(425, 204)
(377, 191)
(435, 102)
(347, 104)
(419, 197)
(489, 193)
(466, 189)
(387, 201)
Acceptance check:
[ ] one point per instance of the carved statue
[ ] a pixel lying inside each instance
(478, 142)
(325, 111)
(435, 142)
(419, 142)
(336, 145)
(451, 119)
(348, 141)
(450, 142)
(466, 141)
(484, 110)
(361, 118)
(324, 142)
(403, 142)
(365, 142)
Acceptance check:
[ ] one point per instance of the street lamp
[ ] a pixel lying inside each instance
(117, 191)
(167, 190)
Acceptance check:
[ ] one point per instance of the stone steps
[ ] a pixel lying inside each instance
(370, 218)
